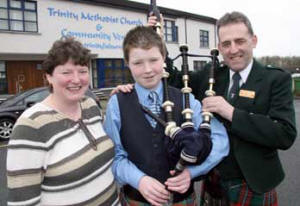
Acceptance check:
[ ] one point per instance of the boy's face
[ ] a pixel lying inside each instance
(146, 66)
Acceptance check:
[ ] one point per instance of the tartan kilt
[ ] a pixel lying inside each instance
(208, 198)
(125, 201)
(238, 193)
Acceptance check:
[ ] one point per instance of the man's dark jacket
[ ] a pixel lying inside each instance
(263, 121)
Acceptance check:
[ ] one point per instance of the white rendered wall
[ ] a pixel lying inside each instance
(60, 17)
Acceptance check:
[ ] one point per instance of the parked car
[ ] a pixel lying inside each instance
(5, 97)
(14, 106)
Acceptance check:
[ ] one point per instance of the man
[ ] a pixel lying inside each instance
(255, 103)
(141, 162)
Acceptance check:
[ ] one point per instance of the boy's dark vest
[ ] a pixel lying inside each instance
(145, 144)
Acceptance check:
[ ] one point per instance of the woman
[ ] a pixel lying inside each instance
(58, 153)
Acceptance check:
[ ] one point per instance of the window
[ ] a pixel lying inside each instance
(18, 15)
(199, 65)
(112, 72)
(170, 31)
(37, 97)
(204, 39)
(3, 78)
(94, 74)
(115, 72)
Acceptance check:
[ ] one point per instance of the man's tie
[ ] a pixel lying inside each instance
(154, 106)
(235, 87)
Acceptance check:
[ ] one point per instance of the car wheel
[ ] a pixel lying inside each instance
(6, 126)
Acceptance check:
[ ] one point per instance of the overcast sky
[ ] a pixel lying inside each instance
(275, 22)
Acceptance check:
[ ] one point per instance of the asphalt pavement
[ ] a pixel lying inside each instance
(3, 191)
(288, 190)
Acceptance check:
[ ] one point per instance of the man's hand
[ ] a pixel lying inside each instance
(153, 191)
(179, 183)
(125, 88)
(219, 105)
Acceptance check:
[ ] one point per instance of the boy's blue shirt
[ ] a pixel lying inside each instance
(126, 172)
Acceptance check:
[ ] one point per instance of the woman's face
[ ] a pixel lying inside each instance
(69, 81)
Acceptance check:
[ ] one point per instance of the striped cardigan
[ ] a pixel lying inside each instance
(51, 161)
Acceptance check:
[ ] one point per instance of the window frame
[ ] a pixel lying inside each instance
(204, 38)
(22, 20)
(3, 78)
(170, 31)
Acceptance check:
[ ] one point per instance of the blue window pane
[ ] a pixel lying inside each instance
(15, 4)
(29, 16)
(3, 14)
(174, 34)
(15, 14)
(4, 24)
(16, 25)
(30, 6)
(3, 3)
(29, 26)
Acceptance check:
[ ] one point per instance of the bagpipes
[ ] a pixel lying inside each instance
(187, 144)
(204, 130)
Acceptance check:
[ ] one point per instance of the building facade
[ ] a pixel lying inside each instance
(29, 27)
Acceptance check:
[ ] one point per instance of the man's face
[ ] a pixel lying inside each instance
(236, 45)
(146, 66)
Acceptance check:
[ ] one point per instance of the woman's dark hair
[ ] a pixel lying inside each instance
(63, 50)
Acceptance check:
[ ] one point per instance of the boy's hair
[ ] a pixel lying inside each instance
(233, 18)
(142, 37)
(63, 50)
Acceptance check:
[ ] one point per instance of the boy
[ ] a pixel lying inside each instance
(141, 162)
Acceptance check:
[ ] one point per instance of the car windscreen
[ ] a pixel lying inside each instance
(12, 98)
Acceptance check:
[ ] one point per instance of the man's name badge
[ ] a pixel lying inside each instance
(247, 93)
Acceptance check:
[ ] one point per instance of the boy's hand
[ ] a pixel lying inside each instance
(153, 191)
(125, 88)
(179, 183)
